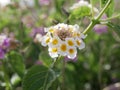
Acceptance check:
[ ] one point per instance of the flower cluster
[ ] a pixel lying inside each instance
(83, 3)
(62, 40)
(4, 44)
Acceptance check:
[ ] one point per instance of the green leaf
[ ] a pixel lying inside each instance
(45, 58)
(17, 63)
(58, 5)
(115, 27)
(110, 10)
(80, 12)
(38, 78)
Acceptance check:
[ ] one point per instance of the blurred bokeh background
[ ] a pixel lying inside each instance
(96, 67)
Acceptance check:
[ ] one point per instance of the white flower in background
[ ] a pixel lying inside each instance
(83, 3)
(2, 38)
(79, 4)
(63, 40)
(4, 2)
(28, 3)
(38, 37)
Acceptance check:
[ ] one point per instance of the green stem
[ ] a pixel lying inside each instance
(6, 77)
(103, 10)
(104, 20)
(100, 4)
(91, 2)
(63, 75)
(91, 25)
(96, 20)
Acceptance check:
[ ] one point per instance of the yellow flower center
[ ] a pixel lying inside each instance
(78, 42)
(54, 50)
(71, 51)
(47, 40)
(51, 30)
(70, 43)
(63, 47)
(78, 34)
(55, 41)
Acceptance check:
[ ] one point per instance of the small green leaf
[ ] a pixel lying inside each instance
(38, 78)
(17, 63)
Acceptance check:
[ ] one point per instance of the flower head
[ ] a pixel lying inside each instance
(63, 40)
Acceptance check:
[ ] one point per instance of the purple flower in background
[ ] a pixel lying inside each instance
(99, 28)
(35, 31)
(28, 21)
(2, 53)
(38, 62)
(4, 44)
(44, 2)
(68, 59)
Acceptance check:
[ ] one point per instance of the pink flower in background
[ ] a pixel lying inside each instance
(38, 30)
(68, 59)
(44, 2)
(4, 44)
(38, 62)
(28, 21)
(99, 28)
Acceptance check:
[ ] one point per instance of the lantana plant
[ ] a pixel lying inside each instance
(63, 38)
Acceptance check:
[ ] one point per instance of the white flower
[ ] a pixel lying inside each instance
(45, 40)
(54, 41)
(62, 49)
(38, 37)
(72, 52)
(53, 52)
(70, 42)
(79, 43)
